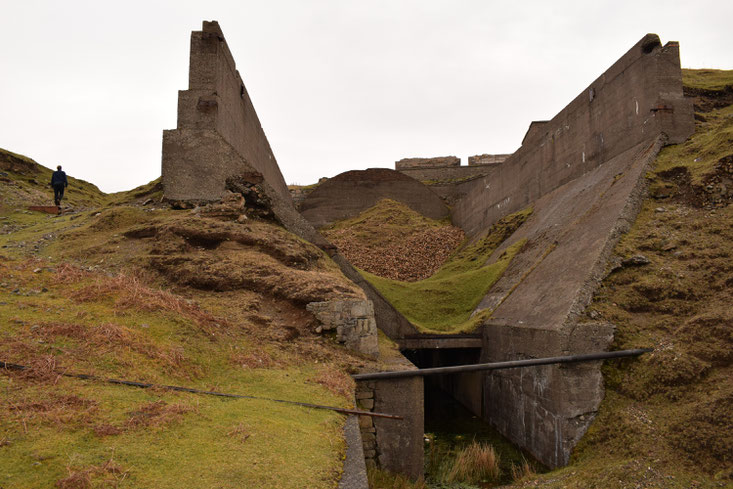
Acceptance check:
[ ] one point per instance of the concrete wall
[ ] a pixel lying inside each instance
(348, 194)
(635, 100)
(218, 132)
(449, 173)
(539, 306)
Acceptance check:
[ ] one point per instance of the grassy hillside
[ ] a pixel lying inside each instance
(120, 286)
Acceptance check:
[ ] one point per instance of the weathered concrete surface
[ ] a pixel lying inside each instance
(400, 443)
(354, 475)
(635, 100)
(440, 342)
(406, 163)
(539, 301)
(348, 194)
(218, 132)
(449, 173)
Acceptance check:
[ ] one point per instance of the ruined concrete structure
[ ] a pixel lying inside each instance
(582, 172)
(218, 133)
(445, 176)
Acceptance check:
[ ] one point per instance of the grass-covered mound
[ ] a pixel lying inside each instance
(443, 303)
(391, 240)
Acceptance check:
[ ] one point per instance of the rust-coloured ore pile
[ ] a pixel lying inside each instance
(393, 241)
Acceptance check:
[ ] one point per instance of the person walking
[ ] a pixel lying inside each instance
(59, 183)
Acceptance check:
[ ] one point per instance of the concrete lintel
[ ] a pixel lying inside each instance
(437, 343)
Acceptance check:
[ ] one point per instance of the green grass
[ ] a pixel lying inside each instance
(707, 79)
(712, 140)
(443, 303)
(211, 442)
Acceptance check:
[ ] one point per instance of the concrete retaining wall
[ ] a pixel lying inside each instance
(446, 174)
(635, 100)
(348, 194)
(539, 307)
(218, 132)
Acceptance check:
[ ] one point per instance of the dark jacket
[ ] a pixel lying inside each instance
(59, 178)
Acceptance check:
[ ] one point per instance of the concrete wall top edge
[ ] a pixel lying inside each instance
(636, 99)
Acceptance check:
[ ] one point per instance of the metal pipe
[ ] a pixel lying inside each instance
(145, 385)
(589, 357)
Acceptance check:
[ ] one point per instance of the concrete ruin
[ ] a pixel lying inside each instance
(218, 134)
(635, 100)
(446, 176)
(582, 172)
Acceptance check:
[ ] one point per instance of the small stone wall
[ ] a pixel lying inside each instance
(390, 444)
(352, 319)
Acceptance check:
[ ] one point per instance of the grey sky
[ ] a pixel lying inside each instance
(337, 84)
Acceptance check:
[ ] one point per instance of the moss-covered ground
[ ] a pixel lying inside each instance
(443, 302)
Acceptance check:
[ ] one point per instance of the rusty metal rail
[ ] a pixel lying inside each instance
(589, 357)
(145, 385)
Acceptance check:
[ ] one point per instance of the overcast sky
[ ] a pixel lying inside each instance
(337, 84)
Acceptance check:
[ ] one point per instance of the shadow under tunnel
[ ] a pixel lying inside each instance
(464, 388)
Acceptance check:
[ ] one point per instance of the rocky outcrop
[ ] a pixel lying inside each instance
(352, 320)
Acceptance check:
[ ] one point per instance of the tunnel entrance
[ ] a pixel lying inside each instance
(464, 388)
(453, 406)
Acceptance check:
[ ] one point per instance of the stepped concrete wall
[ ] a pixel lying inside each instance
(218, 133)
(635, 100)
